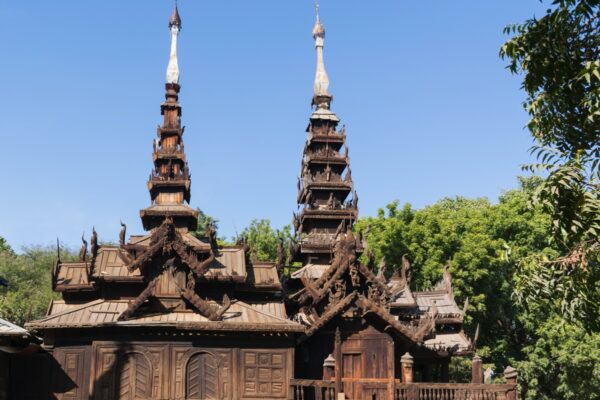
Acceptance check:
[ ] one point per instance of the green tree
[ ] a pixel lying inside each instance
(482, 244)
(204, 219)
(562, 362)
(30, 289)
(559, 58)
(4, 246)
(262, 239)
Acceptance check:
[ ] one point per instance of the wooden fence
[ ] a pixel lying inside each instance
(305, 389)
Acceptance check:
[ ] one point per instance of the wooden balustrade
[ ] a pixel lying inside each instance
(376, 389)
(309, 389)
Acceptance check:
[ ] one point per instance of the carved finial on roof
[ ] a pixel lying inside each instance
(57, 249)
(83, 251)
(280, 254)
(94, 243)
(381, 269)
(173, 66)
(465, 306)
(475, 338)
(405, 269)
(122, 233)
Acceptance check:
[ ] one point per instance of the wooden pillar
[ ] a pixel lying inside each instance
(477, 371)
(510, 374)
(337, 350)
(329, 368)
(407, 363)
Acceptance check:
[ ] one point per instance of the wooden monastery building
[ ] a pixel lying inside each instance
(169, 315)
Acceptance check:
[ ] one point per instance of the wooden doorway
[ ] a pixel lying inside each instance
(202, 377)
(134, 378)
(351, 372)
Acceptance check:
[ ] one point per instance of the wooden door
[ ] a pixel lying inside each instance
(202, 377)
(351, 373)
(133, 380)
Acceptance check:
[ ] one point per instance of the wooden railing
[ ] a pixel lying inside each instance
(452, 391)
(309, 389)
(371, 389)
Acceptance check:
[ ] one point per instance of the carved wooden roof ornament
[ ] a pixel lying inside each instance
(347, 285)
(83, 250)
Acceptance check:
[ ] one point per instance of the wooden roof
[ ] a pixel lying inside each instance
(444, 302)
(11, 330)
(455, 343)
(266, 316)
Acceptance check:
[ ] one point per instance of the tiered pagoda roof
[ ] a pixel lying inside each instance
(332, 283)
(326, 193)
(168, 277)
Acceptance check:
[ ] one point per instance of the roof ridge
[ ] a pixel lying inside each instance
(246, 305)
(82, 307)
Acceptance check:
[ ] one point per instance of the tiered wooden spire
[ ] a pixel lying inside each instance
(325, 184)
(170, 183)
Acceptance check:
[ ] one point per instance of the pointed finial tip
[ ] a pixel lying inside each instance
(318, 29)
(175, 19)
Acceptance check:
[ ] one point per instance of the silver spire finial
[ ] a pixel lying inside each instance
(321, 78)
(175, 27)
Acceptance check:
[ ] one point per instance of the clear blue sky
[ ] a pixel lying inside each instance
(429, 108)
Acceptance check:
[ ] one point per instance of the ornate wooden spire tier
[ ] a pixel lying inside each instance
(326, 195)
(169, 184)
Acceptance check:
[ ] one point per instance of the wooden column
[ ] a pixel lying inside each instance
(477, 371)
(510, 374)
(337, 350)
(407, 363)
(329, 368)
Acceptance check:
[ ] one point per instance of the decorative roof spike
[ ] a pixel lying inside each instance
(318, 29)
(175, 19)
(173, 67)
(321, 79)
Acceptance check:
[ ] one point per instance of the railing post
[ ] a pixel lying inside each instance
(328, 368)
(510, 374)
(477, 371)
(406, 363)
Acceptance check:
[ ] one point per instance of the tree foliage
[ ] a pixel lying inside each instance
(563, 362)
(29, 288)
(559, 58)
(263, 239)
(203, 220)
(480, 242)
(484, 245)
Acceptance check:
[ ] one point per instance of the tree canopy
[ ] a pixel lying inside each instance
(558, 56)
(262, 239)
(484, 245)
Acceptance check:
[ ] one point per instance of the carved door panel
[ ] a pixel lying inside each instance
(264, 374)
(70, 382)
(202, 377)
(351, 373)
(133, 378)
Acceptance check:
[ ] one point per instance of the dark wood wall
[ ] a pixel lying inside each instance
(104, 370)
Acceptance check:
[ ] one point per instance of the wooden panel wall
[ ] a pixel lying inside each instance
(265, 373)
(3, 376)
(154, 370)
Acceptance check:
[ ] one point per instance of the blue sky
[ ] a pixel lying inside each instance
(430, 110)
